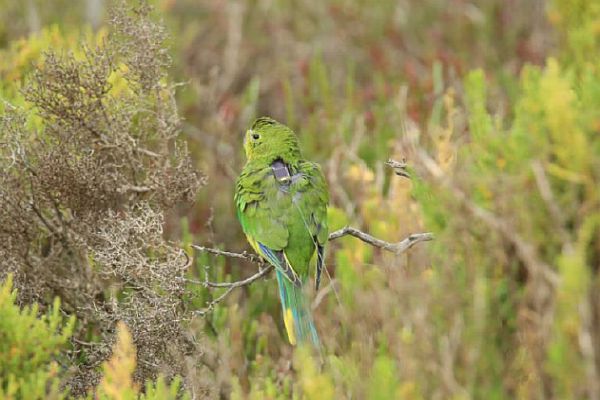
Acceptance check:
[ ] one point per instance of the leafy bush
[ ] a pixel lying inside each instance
(28, 348)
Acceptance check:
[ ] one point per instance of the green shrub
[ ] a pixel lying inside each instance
(29, 347)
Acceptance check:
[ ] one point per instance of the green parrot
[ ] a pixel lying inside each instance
(281, 201)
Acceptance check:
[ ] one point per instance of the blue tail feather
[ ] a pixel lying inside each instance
(301, 328)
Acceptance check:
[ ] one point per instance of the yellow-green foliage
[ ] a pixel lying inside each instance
(312, 384)
(382, 382)
(29, 345)
(539, 175)
(18, 59)
(117, 382)
(578, 22)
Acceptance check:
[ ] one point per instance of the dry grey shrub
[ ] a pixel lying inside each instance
(83, 197)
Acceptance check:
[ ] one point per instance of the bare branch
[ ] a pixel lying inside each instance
(232, 285)
(229, 286)
(396, 248)
(265, 268)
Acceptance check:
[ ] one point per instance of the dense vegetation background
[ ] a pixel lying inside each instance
(120, 139)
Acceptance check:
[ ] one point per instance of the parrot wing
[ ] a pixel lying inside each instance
(312, 198)
(278, 259)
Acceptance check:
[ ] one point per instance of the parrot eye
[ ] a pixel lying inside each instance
(255, 136)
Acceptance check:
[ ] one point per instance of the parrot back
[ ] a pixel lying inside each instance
(282, 210)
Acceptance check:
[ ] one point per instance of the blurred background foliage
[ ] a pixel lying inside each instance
(495, 105)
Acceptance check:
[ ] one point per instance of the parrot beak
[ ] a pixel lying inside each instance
(246, 149)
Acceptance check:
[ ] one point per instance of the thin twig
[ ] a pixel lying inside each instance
(321, 294)
(265, 268)
(244, 255)
(134, 188)
(230, 286)
(147, 152)
(399, 167)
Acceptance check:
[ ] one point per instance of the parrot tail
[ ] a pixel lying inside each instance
(296, 313)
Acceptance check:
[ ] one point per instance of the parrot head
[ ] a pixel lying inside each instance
(268, 140)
